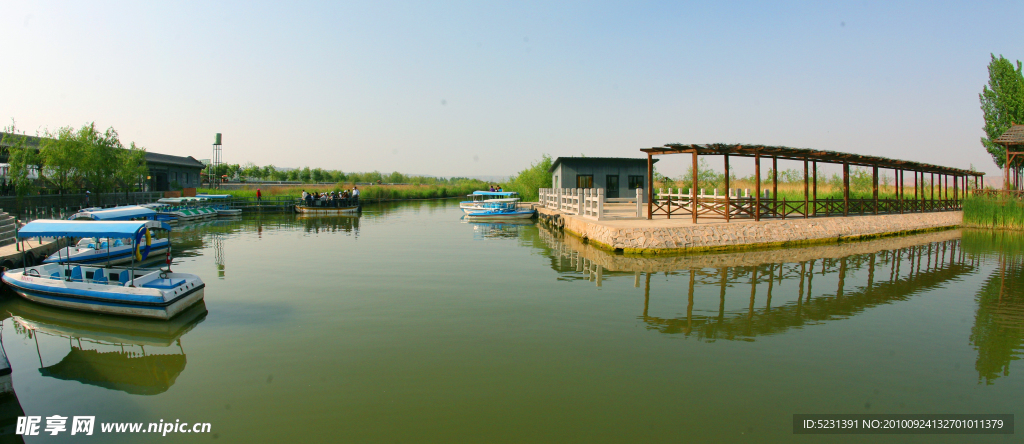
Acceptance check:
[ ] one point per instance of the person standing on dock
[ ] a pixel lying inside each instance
(259, 197)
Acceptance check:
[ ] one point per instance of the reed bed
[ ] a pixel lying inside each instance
(994, 212)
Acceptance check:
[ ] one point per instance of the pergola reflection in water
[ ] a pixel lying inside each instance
(755, 293)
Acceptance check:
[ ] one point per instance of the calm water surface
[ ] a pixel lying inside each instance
(408, 325)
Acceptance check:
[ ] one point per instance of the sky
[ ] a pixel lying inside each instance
(486, 88)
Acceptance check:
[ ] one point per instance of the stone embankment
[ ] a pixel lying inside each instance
(567, 245)
(676, 236)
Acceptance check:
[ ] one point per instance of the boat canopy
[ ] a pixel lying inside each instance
(180, 200)
(56, 228)
(117, 213)
(214, 196)
(495, 193)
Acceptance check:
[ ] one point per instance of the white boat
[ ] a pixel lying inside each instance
(500, 214)
(150, 293)
(109, 251)
(227, 212)
(489, 200)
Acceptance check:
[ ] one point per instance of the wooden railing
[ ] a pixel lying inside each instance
(743, 206)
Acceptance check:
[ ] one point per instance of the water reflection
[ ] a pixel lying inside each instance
(136, 356)
(998, 332)
(342, 224)
(740, 296)
(511, 229)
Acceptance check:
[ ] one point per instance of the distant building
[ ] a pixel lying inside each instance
(619, 176)
(165, 170)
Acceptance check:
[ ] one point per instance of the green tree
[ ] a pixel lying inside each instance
(61, 154)
(99, 163)
(131, 167)
(529, 181)
(23, 161)
(1002, 102)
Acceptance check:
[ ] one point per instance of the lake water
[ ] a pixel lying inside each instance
(406, 325)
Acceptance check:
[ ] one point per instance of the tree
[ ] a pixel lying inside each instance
(1002, 102)
(529, 181)
(61, 155)
(22, 161)
(131, 167)
(99, 164)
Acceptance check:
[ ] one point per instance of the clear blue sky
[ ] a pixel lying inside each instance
(485, 88)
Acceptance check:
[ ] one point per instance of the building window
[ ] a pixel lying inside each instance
(636, 182)
(585, 181)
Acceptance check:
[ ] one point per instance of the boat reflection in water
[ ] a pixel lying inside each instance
(510, 229)
(348, 224)
(740, 296)
(136, 356)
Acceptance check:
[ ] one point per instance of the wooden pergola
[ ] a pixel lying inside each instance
(758, 205)
(1011, 137)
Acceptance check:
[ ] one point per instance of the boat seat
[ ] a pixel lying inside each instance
(55, 275)
(76, 274)
(124, 277)
(163, 284)
(103, 245)
(93, 246)
(118, 243)
(100, 277)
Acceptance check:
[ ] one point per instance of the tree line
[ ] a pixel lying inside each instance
(73, 160)
(253, 172)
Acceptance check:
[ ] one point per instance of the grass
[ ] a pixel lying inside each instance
(373, 192)
(994, 212)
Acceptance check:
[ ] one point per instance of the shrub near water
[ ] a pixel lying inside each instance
(994, 212)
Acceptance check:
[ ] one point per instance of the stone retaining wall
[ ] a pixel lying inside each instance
(617, 262)
(641, 236)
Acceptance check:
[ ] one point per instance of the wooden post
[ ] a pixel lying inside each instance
(915, 186)
(693, 190)
(931, 185)
(806, 203)
(846, 188)
(668, 204)
(814, 185)
(728, 207)
(956, 190)
(899, 189)
(757, 185)
(1006, 168)
(874, 186)
(650, 185)
(775, 179)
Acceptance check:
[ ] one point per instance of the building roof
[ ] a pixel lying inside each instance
(167, 159)
(783, 152)
(596, 160)
(1012, 136)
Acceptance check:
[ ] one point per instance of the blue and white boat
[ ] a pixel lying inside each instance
(489, 200)
(109, 251)
(500, 214)
(127, 291)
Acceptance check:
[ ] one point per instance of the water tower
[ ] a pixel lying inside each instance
(215, 163)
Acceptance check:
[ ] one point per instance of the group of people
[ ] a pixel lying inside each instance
(343, 198)
(496, 188)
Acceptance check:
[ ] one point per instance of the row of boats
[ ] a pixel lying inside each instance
(110, 265)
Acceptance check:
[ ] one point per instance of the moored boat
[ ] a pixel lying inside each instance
(150, 293)
(489, 200)
(324, 207)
